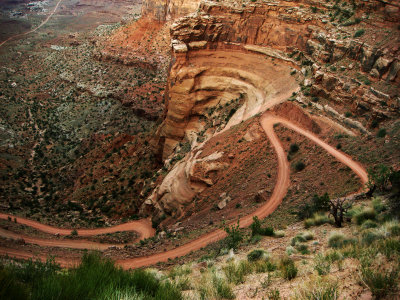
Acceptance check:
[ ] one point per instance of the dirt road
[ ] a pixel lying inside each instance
(142, 227)
(282, 184)
(34, 29)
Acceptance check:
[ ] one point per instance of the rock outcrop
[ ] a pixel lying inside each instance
(250, 56)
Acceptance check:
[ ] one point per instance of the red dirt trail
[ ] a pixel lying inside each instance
(267, 121)
(34, 29)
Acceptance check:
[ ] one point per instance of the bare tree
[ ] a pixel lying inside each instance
(338, 207)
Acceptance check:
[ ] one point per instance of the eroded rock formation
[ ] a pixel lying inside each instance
(251, 56)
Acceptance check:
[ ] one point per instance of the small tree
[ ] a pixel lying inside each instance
(379, 177)
(256, 226)
(235, 236)
(338, 207)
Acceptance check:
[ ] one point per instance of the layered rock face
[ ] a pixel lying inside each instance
(220, 52)
(161, 10)
(254, 55)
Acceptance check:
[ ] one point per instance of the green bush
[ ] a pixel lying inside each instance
(381, 133)
(223, 289)
(359, 33)
(389, 247)
(279, 233)
(380, 281)
(293, 148)
(299, 166)
(263, 266)
(321, 264)
(288, 268)
(317, 220)
(303, 249)
(255, 239)
(369, 224)
(366, 214)
(298, 238)
(10, 287)
(380, 176)
(336, 240)
(274, 294)
(369, 237)
(94, 278)
(235, 236)
(256, 254)
(256, 228)
(236, 272)
(319, 290)
(317, 204)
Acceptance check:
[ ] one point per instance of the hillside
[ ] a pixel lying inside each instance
(255, 143)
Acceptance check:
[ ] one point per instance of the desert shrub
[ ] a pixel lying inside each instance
(378, 205)
(298, 238)
(299, 166)
(293, 148)
(380, 176)
(274, 294)
(288, 268)
(302, 248)
(318, 289)
(317, 220)
(369, 224)
(290, 250)
(256, 254)
(335, 257)
(236, 272)
(268, 231)
(263, 266)
(309, 223)
(366, 214)
(368, 237)
(214, 286)
(183, 283)
(279, 233)
(257, 229)
(336, 240)
(222, 288)
(389, 247)
(317, 204)
(308, 235)
(381, 133)
(381, 281)
(235, 236)
(389, 228)
(94, 278)
(10, 287)
(359, 33)
(180, 271)
(255, 239)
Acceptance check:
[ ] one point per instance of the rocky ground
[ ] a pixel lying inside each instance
(100, 124)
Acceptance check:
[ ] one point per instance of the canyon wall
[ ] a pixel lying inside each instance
(221, 41)
(162, 11)
(231, 61)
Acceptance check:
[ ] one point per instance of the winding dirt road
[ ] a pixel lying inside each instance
(34, 29)
(282, 184)
(142, 227)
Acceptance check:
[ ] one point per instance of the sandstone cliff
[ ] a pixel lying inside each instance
(252, 56)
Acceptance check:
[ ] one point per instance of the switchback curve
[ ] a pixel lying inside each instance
(267, 121)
